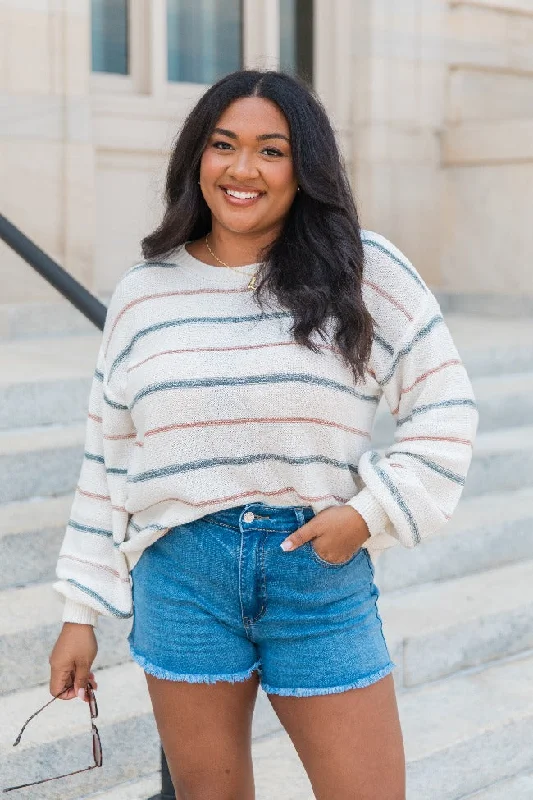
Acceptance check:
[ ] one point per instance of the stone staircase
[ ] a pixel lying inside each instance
(457, 611)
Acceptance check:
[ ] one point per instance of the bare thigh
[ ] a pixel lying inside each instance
(350, 743)
(206, 732)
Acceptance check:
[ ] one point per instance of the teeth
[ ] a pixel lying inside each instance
(242, 195)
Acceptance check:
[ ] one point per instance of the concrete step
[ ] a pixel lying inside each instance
(491, 346)
(31, 532)
(485, 532)
(40, 461)
(504, 401)
(59, 738)
(460, 735)
(132, 790)
(503, 460)
(438, 629)
(432, 630)
(21, 321)
(519, 787)
(46, 381)
(30, 622)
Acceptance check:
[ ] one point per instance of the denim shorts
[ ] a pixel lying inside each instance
(217, 598)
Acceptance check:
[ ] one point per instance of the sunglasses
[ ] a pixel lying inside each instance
(97, 744)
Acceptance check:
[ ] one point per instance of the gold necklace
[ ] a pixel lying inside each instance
(251, 285)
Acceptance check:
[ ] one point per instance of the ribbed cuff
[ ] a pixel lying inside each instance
(371, 511)
(76, 612)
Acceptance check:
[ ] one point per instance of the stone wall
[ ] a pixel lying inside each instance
(432, 101)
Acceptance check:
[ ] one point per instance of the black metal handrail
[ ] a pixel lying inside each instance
(96, 312)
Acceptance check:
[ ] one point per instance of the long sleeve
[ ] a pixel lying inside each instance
(412, 490)
(92, 572)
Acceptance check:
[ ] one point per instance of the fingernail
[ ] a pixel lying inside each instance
(286, 545)
(81, 694)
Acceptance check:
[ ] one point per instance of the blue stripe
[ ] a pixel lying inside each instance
(423, 332)
(250, 380)
(404, 265)
(116, 471)
(431, 406)
(452, 476)
(98, 375)
(147, 264)
(188, 320)
(112, 609)
(385, 345)
(112, 403)
(88, 529)
(393, 489)
(176, 469)
(100, 460)
(93, 457)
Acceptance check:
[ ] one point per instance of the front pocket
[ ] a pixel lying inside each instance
(333, 564)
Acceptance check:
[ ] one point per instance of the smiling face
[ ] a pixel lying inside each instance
(246, 172)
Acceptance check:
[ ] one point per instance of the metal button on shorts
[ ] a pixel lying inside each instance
(249, 516)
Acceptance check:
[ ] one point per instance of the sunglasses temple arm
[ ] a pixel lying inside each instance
(55, 778)
(17, 740)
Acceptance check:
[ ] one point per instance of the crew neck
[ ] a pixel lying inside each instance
(220, 274)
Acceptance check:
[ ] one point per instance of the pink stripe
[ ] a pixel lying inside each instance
(388, 297)
(226, 349)
(247, 420)
(121, 436)
(95, 418)
(158, 296)
(252, 493)
(91, 494)
(436, 439)
(453, 362)
(98, 566)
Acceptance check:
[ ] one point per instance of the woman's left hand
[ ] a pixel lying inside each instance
(337, 532)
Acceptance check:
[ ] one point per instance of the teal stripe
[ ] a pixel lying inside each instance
(91, 593)
(393, 489)
(250, 380)
(93, 457)
(404, 265)
(98, 375)
(385, 345)
(148, 264)
(431, 406)
(112, 403)
(88, 529)
(189, 320)
(100, 460)
(191, 466)
(422, 333)
(452, 476)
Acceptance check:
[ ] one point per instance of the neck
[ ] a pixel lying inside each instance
(237, 250)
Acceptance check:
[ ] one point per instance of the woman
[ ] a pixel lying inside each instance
(228, 462)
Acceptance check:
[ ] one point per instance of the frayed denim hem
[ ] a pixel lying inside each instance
(360, 684)
(165, 674)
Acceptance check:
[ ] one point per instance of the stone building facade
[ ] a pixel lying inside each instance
(432, 101)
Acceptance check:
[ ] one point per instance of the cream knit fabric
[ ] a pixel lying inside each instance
(201, 402)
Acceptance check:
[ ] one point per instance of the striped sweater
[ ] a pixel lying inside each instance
(200, 402)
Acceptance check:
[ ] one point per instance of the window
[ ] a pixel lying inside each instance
(204, 39)
(296, 37)
(109, 28)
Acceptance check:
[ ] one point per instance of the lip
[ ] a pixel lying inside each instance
(241, 202)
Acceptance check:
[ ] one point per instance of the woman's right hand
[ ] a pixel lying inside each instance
(70, 661)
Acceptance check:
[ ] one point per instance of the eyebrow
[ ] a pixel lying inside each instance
(262, 137)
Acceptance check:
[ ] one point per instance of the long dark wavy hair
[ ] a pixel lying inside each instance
(314, 267)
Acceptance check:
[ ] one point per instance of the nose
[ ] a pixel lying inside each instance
(243, 166)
